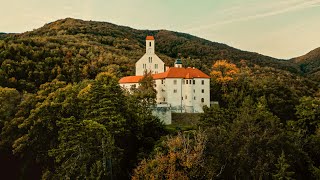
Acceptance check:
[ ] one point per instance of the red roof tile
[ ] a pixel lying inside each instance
(130, 79)
(173, 72)
(186, 73)
(149, 38)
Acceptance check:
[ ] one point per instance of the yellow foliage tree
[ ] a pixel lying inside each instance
(182, 159)
(223, 72)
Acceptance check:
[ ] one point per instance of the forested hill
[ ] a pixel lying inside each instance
(2, 35)
(309, 64)
(71, 50)
(63, 114)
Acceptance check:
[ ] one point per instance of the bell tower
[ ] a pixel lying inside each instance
(150, 45)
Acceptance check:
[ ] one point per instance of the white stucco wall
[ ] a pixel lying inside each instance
(180, 94)
(149, 62)
(198, 87)
(128, 86)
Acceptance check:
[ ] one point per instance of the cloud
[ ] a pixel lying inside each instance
(247, 12)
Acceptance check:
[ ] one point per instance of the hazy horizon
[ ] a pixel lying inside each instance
(282, 29)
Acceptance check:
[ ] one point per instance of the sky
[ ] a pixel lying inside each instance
(277, 28)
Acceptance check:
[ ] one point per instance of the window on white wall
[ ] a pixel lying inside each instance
(202, 82)
(186, 81)
(156, 66)
(174, 91)
(174, 82)
(150, 44)
(202, 99)
(194, 98)
(202, 90)
(194, 81)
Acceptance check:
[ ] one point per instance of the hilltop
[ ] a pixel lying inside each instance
(72, 50)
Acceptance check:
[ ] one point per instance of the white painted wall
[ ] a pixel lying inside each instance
(128, 86)
(198, 87)
(180, 94)
(150, 47)
(149, 62)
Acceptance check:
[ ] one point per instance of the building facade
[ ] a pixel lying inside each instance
(149, 62)
(178, 88)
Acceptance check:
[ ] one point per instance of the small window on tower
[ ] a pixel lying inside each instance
(202, 90)
(164, 99)
(202, 82)
(174, 82)
(194, 98)
(194, 81)
(190, 81)
(150, 44)
(186, 81)
(202, 99)
(174, 91)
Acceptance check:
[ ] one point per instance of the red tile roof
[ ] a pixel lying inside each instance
(130, 79)
(149, 38)
(186, 73)
(173, 72)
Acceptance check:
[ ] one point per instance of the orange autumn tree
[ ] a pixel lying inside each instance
(224, 72)
(181, 158)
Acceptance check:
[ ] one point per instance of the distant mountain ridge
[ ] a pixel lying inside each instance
(169, 43)
(72, 50)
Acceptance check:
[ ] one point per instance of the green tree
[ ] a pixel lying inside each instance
(308, 113)
(85, 149)
(9, 100)
(146, 91)
(283, 172)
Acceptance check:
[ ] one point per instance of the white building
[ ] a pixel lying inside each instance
(149, 61)
(181, 89)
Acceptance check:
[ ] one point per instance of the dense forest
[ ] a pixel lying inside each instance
(64, 116)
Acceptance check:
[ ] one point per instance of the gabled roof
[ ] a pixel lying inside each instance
(130, 79)
(173, 72)
(185, 73)
(149, 38)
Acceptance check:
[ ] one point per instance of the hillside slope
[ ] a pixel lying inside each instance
(72, 50)
(309, 64)
(172, 44)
